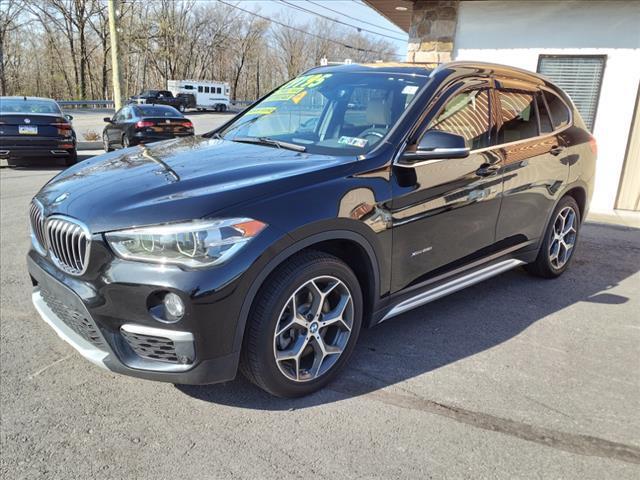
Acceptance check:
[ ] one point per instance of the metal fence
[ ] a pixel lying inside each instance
(109, 103)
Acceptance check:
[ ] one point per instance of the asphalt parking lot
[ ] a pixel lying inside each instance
(513, 378)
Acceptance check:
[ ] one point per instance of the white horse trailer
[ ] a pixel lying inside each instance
(209, 95)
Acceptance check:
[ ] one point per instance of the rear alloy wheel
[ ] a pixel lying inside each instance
(303, 325)
(559, 242)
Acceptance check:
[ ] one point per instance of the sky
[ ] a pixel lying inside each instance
(352, 8)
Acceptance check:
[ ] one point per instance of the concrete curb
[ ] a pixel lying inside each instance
(89, 145)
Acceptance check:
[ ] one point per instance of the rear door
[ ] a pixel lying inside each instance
(445, 211)
(536, 165)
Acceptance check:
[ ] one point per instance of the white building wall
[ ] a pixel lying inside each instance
(517, 32)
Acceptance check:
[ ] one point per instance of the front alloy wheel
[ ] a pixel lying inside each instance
(313, 329)
(303, 325)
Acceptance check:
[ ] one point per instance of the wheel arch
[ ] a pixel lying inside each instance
(351, 247)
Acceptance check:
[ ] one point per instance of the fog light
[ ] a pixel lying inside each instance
(173, 306)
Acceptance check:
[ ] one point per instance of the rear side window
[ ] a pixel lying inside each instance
(467, 115)
(519, 120)
(545, 121)
(558, 110)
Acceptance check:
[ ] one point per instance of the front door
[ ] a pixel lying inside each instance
(445, 211)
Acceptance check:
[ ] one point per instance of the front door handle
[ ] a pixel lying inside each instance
(556, 150)
(487, 170)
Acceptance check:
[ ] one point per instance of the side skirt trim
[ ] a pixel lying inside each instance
(452, 286)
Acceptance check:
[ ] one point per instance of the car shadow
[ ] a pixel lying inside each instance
(44, 164)
(461, 325)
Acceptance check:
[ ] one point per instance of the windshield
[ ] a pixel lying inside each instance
(330, 113)
(19, 105)
(156, 111)
(149, 93)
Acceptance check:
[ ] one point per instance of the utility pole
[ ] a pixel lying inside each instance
(115, 56)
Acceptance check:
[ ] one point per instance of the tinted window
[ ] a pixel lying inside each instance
(188, 87)
(127, 113)
(558, 110)
(467, 115)
(157, 111)
(206, 89)
(20, 105)
(545, 121)
(518, 116)
(149, 93)
(200, 89)
(332, 113)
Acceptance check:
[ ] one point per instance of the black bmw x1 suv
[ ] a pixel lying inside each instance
(344, 198)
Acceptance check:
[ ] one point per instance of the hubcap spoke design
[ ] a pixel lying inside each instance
(563, 237)
(313, 329)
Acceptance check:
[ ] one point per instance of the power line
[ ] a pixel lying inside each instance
(354, 18)
(340, 22)
(337, 42)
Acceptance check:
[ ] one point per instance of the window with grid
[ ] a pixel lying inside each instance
(580, 77)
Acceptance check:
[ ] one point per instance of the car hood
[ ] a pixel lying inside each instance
(175, 180)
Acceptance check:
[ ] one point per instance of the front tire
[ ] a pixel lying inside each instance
(559, 242)
(303, 325)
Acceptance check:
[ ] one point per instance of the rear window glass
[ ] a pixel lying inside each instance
(545, 121)
(518, 116)
(157, 111)
(19, 105)
(559, 111)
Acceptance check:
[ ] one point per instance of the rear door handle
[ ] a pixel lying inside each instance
(556, 150)
(487, 170)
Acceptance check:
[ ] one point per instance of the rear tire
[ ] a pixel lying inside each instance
(72, 159)
(560, 239)
(105, 144)
(303, 325)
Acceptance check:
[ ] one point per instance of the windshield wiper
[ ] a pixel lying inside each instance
(270, 141)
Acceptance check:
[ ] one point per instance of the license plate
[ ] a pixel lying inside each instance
(27, 130)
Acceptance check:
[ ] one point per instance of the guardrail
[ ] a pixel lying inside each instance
(110, 104)
(86, 103)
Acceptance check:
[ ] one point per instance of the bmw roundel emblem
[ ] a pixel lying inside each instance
(61, 198)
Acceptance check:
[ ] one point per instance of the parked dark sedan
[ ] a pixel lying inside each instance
(135, 124)
(35, 128)
(346, 197)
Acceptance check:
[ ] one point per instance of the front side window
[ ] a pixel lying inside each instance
(519, 120)
(467, 115)
(334, 113)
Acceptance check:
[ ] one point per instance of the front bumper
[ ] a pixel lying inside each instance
(131, 348)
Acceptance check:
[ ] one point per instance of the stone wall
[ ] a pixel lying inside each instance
(433, 29)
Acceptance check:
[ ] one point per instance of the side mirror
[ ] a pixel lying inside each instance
(436, 145)
(107, 119)
(68, 117)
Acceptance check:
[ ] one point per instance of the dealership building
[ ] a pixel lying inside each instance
(589, 48)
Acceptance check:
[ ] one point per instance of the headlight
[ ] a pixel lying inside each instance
(193, 244)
